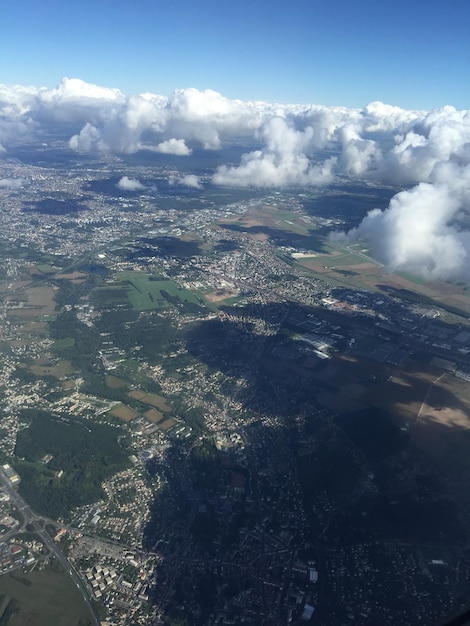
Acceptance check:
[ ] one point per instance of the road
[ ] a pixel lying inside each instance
(29, 516)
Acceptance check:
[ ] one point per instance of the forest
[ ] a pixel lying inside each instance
(83, 455)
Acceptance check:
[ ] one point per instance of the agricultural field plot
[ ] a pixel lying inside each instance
(66, 342)
(350, 266)
(167, 424)
(337, 403)
(110, 296)
(456, 387)
(123, 412)
(41, 598)
(75, 277)
(59, 370)
(150, 398)
(42, 297)
(113, 382)
(34, 327)
(154, 416)
(402, 394)
(446, 403)
(431, 405)
(7, 285)
(24, 313)
(45, 268)
(32, 304)
(398, 390)
(346, 369)
(143, 293)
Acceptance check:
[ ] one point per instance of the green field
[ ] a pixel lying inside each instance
(143, 292)
(66, 342)
(146, 293)
(45, 268)
(411, 278)
(41, 598)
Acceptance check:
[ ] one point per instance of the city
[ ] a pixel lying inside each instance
(231, 360)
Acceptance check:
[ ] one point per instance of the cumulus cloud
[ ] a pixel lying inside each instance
(359, 156)
(190, 180)
(425, 230)
(121, 127)
(207, 118)
(74, 101)
(380, 117)
(16, 100)
(11, 183)
(203, 117)
(130, 184)
(88, 138)
(420, 232)
(174, 146)
(167, 123)
(74, 89)
(283, 162)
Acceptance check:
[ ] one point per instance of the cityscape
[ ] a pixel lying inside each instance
(214, 412)
(234, 313)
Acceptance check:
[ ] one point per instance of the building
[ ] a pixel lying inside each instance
(11, 474)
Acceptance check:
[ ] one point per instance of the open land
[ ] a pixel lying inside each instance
(41, 598)
(353, 266)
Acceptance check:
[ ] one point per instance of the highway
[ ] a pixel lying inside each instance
(29, 516)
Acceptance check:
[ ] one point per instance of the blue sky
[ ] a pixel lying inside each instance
(414, 53)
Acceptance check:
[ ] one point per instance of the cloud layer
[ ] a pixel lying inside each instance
(424, 230)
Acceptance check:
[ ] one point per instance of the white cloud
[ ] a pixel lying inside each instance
(419, 233)
(206, 117)
(70, 89)
(425, 229)
(76, 103)
(190, 180)
(120, 128)
(88, 139)
(187, 115)
(283, 162)
(173, 146)
(11, 183)
(130, 184)
(359, 156)
(380, 117)
(16, 100)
